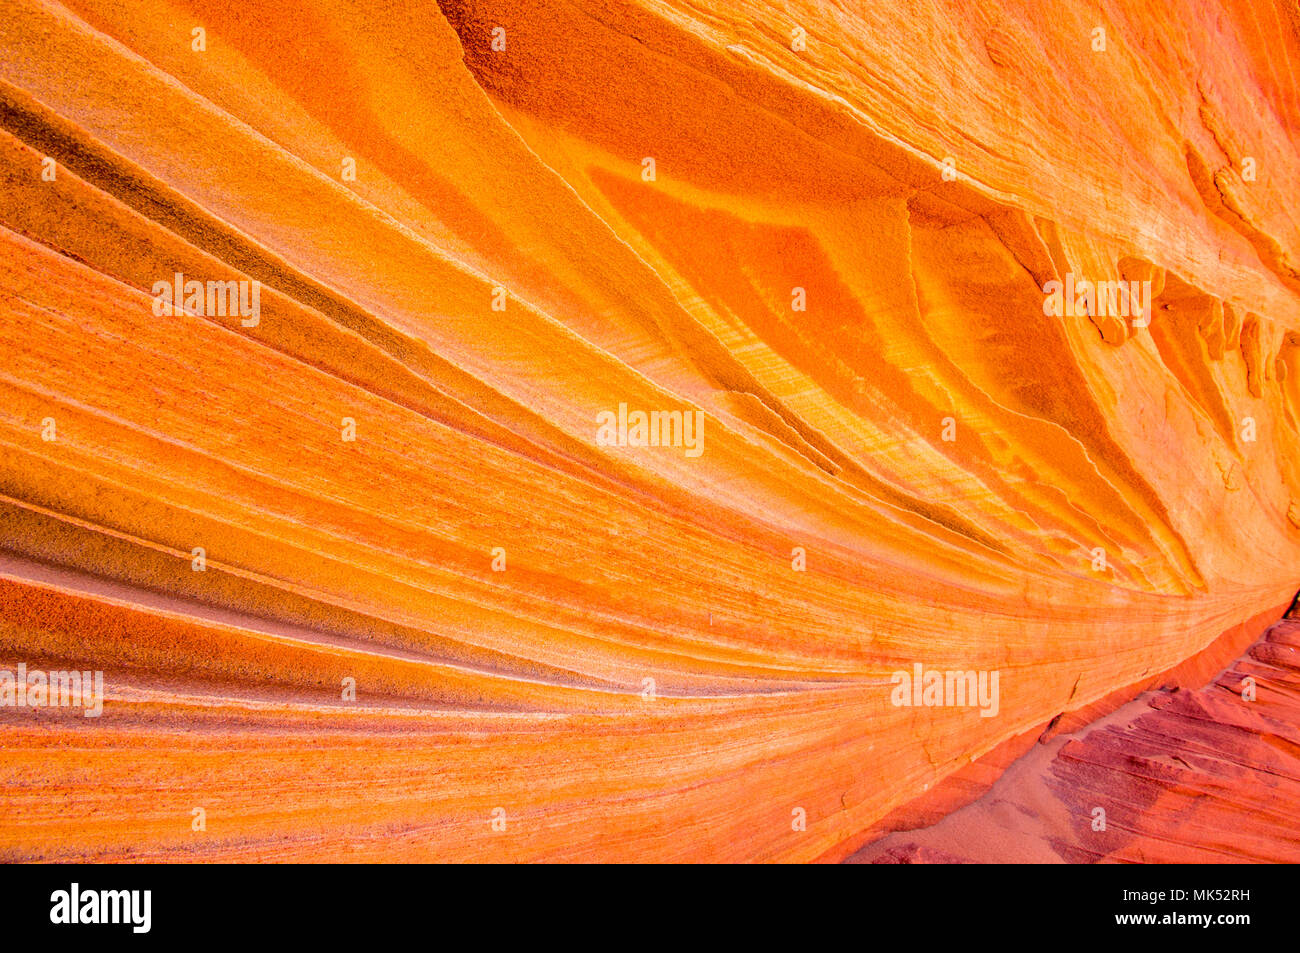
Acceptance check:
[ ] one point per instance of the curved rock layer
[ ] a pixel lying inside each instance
(377, 568)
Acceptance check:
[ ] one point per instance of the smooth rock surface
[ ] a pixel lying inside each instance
(562, 649)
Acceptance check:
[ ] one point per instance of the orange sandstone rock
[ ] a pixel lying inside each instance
(365, 578)
(1177, 776)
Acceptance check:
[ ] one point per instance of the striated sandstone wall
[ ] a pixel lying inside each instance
(836, 256)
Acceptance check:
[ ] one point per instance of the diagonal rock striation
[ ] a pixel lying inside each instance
(410, 555)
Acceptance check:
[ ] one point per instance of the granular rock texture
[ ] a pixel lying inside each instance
(387, 562)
